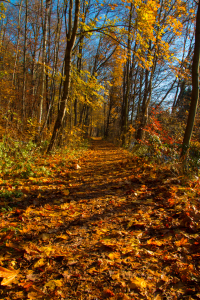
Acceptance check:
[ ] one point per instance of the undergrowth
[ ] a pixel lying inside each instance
(156, 151)
(20, 159)
(162, 145)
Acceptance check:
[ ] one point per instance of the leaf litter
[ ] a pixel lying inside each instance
(118, 227)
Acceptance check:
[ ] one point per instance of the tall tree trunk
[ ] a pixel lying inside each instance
(143, 118)
(18, 37)
(44, 56)
(84, 11)
(126, 96)
(143, 113)
(71, 37)
(195, 89)
(109, 115)
(79, 65)
(24, 67)
(52, 88)
(49, 9)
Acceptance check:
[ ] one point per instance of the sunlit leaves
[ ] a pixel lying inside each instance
(2, 10)
(120, 245)
(87, 89)
(7, 275)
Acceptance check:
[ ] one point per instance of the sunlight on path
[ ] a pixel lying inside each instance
(103, 231)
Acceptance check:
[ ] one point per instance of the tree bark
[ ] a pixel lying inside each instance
(18, 40)
(126, 96)
(195, 90)
(24, 66)
(71, 37)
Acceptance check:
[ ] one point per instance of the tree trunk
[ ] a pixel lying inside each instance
(44, 56)
(18, 37)
(24, 66)
(195, 89)
(79, 66)
(71, 37)
(126, 96)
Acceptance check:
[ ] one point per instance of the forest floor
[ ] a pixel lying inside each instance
(117, 228)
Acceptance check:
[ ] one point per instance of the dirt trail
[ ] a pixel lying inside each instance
(100, 170)
(108, 234)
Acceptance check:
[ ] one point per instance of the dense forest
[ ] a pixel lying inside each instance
(121, 70)
(99, 149)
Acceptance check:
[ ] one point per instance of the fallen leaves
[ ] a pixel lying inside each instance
(116, 229)
(77, 167)
(138, 283)
(8, 275)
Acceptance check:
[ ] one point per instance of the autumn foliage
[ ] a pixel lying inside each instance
(97, 201)
(117, 227)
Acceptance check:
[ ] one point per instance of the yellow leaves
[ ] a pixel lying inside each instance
(41, 262)
(182, 242)
(64, 206)
(8, 275)
(174, 25)
(153, 27)
(146, 13)
(119, 58)
(2, 11)
(80, 246)
(87, 88)
(53, 284)
(138, 283)
(92, 271)
(33, 179)
(165, 278)
(114, 255)
(47, 250)
(102, 231)
(155, 242)
(87, 28)
(63, 237)
(158, 297)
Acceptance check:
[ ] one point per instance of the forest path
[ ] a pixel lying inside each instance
(104, 166)
(115, 229)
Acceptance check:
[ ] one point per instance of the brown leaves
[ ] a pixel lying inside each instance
(107, 293)
(82, 239)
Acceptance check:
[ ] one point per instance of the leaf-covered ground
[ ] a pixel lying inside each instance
(118, 228)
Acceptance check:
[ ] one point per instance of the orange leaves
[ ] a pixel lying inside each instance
(155, 242)
(138, 283)
(65, 192)
(7, 236)
(182, 242)
(95, 242)
(114, 255)
(8, 275)
(171, 201)
(113, 6)
(107, 293)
